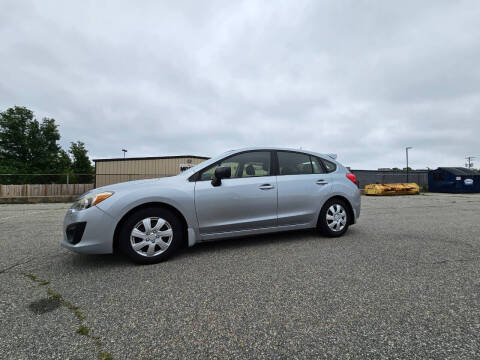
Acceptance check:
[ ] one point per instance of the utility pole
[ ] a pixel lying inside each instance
(124, 152)
(406, 152)
(469, 161)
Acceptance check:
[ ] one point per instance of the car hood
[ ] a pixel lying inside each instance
(133, 185)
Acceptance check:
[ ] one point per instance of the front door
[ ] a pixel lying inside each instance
(246, 201)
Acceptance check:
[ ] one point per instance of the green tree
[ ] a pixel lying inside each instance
(63, 161)
(28, 146)
(81, 163)
(14, 149)
(44, 153)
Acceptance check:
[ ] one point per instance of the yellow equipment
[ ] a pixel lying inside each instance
(392, 189)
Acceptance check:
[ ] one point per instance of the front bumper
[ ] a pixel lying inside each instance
(97, 235)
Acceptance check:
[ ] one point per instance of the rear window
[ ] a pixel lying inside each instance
(317, 166)
(329, 166)
(292, 163)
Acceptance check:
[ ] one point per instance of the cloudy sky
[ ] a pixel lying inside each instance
(362, 79)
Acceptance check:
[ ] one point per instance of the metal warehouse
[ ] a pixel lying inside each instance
(110, 171)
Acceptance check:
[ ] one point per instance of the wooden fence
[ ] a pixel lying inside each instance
(43, 190)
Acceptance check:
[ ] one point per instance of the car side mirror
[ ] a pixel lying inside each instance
(221, 172)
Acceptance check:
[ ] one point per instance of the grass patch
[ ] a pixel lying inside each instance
(31, 277)
(70, 306)
(37, 280)
(54, 295)
(82, 330)
(79, 315)
(105, 356)
(57, 299)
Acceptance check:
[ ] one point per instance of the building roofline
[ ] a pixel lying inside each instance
(458, 170)
(153, 158)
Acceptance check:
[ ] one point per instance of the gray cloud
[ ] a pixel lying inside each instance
(359, 78)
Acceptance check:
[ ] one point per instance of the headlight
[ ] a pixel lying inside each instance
(90, 200)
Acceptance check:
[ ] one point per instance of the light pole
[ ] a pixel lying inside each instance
(124, 152)
(406, 152)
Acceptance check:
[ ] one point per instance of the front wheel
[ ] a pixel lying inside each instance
(151, 235)
(334, 218)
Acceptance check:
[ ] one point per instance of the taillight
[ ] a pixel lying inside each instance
(352, 178)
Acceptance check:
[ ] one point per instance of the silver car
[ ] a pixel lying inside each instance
(241, 192)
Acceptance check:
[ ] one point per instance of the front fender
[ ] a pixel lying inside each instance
(124, 201)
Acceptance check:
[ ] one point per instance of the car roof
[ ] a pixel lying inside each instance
(329, 156)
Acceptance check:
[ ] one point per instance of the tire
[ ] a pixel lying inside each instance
(159, 230)
(334, 218)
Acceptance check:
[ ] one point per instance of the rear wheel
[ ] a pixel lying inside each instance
(334, 218)
(151, 235)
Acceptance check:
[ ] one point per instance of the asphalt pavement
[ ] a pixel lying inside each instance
(403, 283)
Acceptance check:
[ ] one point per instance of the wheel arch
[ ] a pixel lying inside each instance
(351, 215)
(147, 205)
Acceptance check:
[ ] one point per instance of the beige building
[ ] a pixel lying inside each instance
(111, 171)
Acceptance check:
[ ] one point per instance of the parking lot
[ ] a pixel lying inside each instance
(403, 283)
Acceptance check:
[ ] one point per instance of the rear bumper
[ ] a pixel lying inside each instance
(356, 215)
(97, 235)
(356, 205)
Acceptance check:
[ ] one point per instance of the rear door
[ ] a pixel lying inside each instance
(303, 185)
(246, 201)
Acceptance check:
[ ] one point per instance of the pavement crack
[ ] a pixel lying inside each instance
(444, 261)
(83, 329)
(15, 265)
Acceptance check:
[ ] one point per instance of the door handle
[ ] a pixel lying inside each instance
(322, 182)
(266, 187)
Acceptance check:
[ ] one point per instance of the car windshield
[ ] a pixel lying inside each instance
(197, 167)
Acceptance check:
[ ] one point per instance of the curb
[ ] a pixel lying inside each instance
(37, 199)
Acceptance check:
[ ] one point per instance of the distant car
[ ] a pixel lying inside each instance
(242, 192)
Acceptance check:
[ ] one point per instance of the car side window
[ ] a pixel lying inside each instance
(317, 165)
(329, 166)
(207, 174)
(247, 164)
(292, 163)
